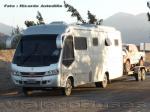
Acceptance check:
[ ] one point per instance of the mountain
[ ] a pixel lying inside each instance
(134, 28)
(6, 29)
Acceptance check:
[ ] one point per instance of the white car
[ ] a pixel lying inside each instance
(132, 57)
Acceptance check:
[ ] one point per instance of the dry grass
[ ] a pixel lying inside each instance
(148, 57)
(6, 55)
(147, 61)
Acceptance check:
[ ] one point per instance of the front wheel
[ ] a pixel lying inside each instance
(104, 82)
(68, 88)
(26, 91)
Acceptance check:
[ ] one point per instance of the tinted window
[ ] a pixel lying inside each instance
(37, 50)
(80, 43)
(108, 42)
(116, 42)
(68, 51)
(95, 41)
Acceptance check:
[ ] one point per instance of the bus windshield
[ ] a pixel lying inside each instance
(36, 51)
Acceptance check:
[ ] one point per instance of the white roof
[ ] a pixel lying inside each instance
(45, 29)
(61, 27)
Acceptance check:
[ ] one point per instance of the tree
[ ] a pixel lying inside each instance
(92, 18)
(39, 18)
(16, 35)
(148, 14)
(74, 12)
(29, 23)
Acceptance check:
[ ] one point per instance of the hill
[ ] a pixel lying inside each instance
(6, 29)
(134, 28)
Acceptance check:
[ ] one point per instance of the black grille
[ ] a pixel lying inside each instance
(31, 74)
(36, 82)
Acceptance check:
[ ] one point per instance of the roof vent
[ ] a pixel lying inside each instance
(58, 23)
(89, 25)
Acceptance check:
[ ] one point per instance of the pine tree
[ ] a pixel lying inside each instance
(29, 23)
(74, 12)
(16, 35)
(148, 14)
(92, 18)
(39, 18)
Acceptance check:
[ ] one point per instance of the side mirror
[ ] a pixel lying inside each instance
(59, 41)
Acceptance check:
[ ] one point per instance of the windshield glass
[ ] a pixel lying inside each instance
(37, 50)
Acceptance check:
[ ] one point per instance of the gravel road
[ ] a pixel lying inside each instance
(124, 95)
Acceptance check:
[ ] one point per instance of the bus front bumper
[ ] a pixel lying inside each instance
(45, 81)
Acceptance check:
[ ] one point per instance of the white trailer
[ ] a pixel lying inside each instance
(66, 56)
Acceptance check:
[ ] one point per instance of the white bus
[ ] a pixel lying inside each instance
(66, 56)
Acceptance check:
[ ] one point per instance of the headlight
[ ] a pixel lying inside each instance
(16, 73)
(52, 72)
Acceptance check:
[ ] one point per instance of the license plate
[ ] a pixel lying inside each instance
(31, 81)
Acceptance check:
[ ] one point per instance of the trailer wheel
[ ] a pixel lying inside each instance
(127, 67)
(143, 74)
(67, 90)
(138, 76)
(141, 62)
(104, 82)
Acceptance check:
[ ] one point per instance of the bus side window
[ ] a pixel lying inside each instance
(68, 52)
(108, 42)
(80, 43)
(95, 41)
(116, 42)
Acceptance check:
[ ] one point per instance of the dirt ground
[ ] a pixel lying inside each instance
(122, 95)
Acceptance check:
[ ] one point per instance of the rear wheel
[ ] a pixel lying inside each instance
(103, 83)
(98, 84)
(68, 88)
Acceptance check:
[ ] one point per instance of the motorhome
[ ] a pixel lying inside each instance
(64, 56)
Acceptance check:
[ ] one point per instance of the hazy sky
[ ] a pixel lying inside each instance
(101, 8)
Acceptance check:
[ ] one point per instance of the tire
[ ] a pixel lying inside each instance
(104, 82)
(138, 76)
(26, 91)
(143, 75)
(141, 62)
(127, 67)
(98, 84)
(68, 89)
